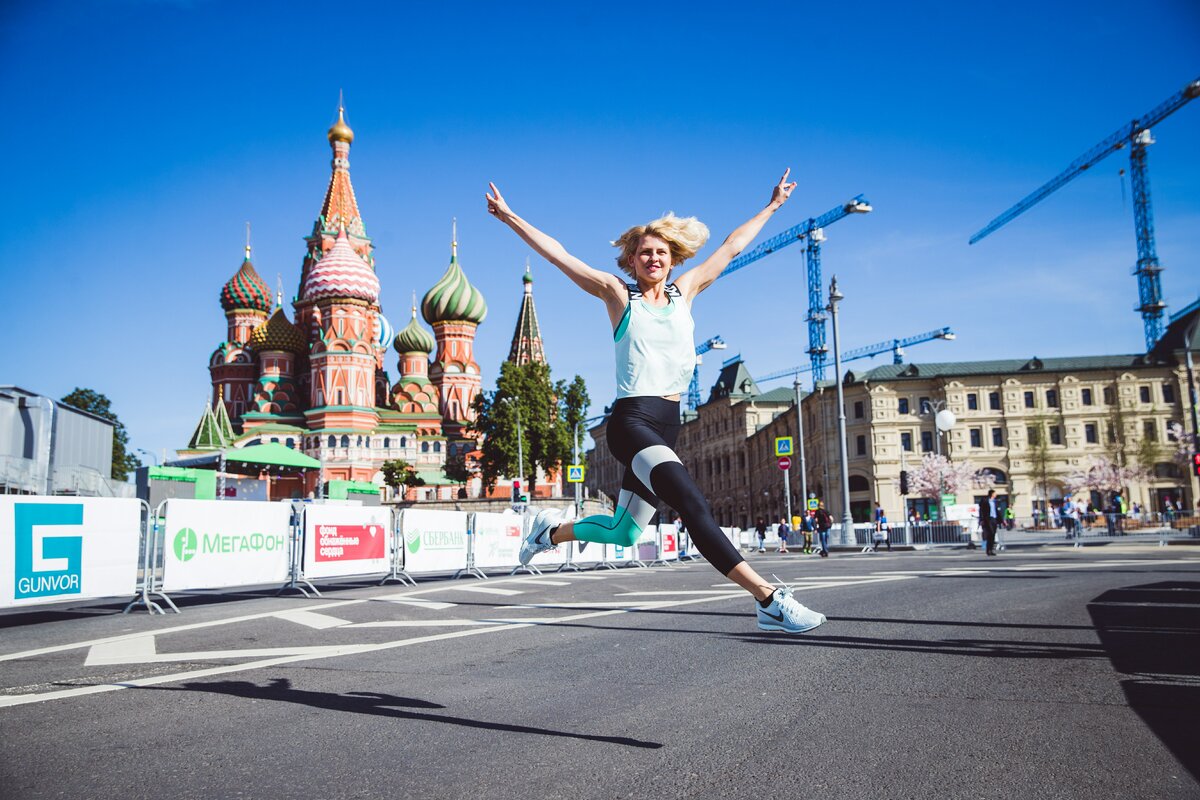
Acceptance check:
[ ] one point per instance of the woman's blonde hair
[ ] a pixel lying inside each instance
(684, 235)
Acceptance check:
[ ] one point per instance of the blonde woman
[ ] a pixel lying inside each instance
(653, 332)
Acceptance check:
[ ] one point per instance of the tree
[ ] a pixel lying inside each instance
(1039, 454)
(1185, 446)
(397, 472)
(938, 475)
(123, 462)
(545, 412)
(456, 470)
(1103, 475)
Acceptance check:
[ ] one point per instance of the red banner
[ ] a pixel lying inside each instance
(350, 542)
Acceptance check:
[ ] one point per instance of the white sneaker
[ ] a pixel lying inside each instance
(538, 538)
(785, 614)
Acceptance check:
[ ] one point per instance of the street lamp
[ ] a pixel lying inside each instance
(836, 297)
(148, 454)
(513, 400)
(578, 486)
(800, 445)
(943, 421)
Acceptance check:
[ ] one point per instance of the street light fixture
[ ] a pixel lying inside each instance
(836, 297)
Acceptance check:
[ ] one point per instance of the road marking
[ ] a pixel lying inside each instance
(418, 602)
(95, 658)
(122, 652)
(312, 619)
(419, 623)
(710, 592)
(486, 590)
(541, 582)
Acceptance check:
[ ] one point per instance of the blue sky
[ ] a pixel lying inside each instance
(141, 136)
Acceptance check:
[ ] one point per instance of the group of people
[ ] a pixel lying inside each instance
(813, 525)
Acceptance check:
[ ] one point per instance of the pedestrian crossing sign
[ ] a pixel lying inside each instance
(813, 503)
(783, 446)
(575, 473)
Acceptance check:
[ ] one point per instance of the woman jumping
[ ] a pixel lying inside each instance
(653, 331)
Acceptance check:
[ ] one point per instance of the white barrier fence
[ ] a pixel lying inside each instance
(55, 549)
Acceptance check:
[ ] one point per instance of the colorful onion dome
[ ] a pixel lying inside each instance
(414, 338)
(386, 331)
(277, 333)
(246, 290)
(341, 273)
(453, 298)
(340, 132)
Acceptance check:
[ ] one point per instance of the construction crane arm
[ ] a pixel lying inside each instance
(858, 205)
(1113, 142)
(866, 352)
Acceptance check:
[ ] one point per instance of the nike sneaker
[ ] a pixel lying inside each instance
(538, 538)
(787, 615)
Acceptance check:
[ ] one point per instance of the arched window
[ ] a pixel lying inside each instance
(424, 447)
(345, 441)
(437, 447)
(403, 442)
(997, 475)
(274, 440)
(291, 443)
(360, 441)
(332, 440)
(859, 484)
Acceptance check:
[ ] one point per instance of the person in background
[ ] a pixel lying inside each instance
(761, 530)
(1009, 517)
(823, 523)
(807, 528)
(783, 530)
(881, 531)
(988, 516)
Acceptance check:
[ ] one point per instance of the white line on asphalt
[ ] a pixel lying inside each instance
(331, 652)
(710, 592)
(418, 602)
(204, 655)
(126, 651)
(543, 582)
(485, 590)
(312, 619)
(419, 623)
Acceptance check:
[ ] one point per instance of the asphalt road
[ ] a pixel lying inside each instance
(1043, 673)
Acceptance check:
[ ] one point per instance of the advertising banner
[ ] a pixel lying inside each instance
(346, 540)
(670, 543)
(67, 548)
(497, 540)
(434, 541)
(212, 544)
(647, 544)
(621, 555)
(586, 552)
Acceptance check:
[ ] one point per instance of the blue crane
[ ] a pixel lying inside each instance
(715, 343)
(895, 345)
(1137, 135)
(813, 230)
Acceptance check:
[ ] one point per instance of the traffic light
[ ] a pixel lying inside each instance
(903, 481)
(1196, 464)
(516, 491)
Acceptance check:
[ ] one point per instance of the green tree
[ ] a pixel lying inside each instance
(456, 470)
(123, 462)
(1040, 461)
(397, 472)
(545, 412)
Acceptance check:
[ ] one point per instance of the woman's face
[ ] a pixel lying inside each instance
(652, 260)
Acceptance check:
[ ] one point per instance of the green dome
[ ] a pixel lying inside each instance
(453, 298)
(414, 338)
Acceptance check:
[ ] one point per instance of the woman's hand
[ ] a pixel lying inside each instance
(498, 208)
(781, 192)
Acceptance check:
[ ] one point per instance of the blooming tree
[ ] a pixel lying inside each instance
(1185, 445)
(938, 475)
(1103, 475)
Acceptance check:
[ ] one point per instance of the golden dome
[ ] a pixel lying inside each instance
(340, 132)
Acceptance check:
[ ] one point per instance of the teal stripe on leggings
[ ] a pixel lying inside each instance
(621, 529)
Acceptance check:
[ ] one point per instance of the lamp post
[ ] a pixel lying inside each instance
(836, 297)
(943, 421)
(800, 445)
(148, 454)
(578, 486)
(512, 401)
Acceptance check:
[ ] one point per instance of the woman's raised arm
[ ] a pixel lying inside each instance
(606, 286)
(699, 278)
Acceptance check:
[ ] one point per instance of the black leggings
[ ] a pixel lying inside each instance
(641, 435)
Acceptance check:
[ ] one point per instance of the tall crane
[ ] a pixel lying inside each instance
(895, 345)
(813, 230)
(1137, 135)
(715, 343)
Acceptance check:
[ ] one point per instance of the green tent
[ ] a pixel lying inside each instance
(251, 459)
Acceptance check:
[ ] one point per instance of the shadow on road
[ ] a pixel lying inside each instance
(384, 705)
(1152, 633)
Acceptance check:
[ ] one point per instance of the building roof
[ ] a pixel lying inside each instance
(246, 289)
(414, 338)
(208, 434)
(1175, 337)
(1007, 366)
(341, 273)
(527, 338)
(278, 334)
(453, 298)
(734, 382)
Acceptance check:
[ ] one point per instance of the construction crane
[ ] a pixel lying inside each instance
(895, 345)
(1137, 135)
(813, 230)
(715, 343)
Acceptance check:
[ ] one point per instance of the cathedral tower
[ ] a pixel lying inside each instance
(246, 299)
(527, 338)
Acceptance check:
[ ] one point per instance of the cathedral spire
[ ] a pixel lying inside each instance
(527, 338)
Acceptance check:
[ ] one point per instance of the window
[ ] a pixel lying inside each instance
(1029, 399)
(387, 442)
(906, 441)
(860, 444)
(1086, 395)
(926, 442)
(857, 483)
(858, 409)
(1055, 435)
(998, 437)
(994, 401)
(976, 437)
(1052, 398)
(902, 405)
(332, 440)
(345, 441)
(424, 447)
(1108, 396)
(972, 402)
(274, 440)
(1089, 433)
(1151, 428)
(403, 441)
(1033, 435)
(1144, 394)
(923, 405)
(437, 447)
(1168, 393)
(359, 441)
(291, 443)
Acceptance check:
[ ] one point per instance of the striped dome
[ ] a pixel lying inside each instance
(341, 273)
(278, 333)
(246, 290)
(386, 332)
(453, 298)
(414, 338)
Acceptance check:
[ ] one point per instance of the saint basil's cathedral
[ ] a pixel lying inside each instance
(320, 385)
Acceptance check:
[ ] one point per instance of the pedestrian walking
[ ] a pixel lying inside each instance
(761, 530)
(807, 528)
(823, 522)
(988, 517)
(783, 530)
(881, 532)
(653, 333)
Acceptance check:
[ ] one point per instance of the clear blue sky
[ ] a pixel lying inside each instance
(141, 136)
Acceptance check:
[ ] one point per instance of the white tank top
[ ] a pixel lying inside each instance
(656, 349)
